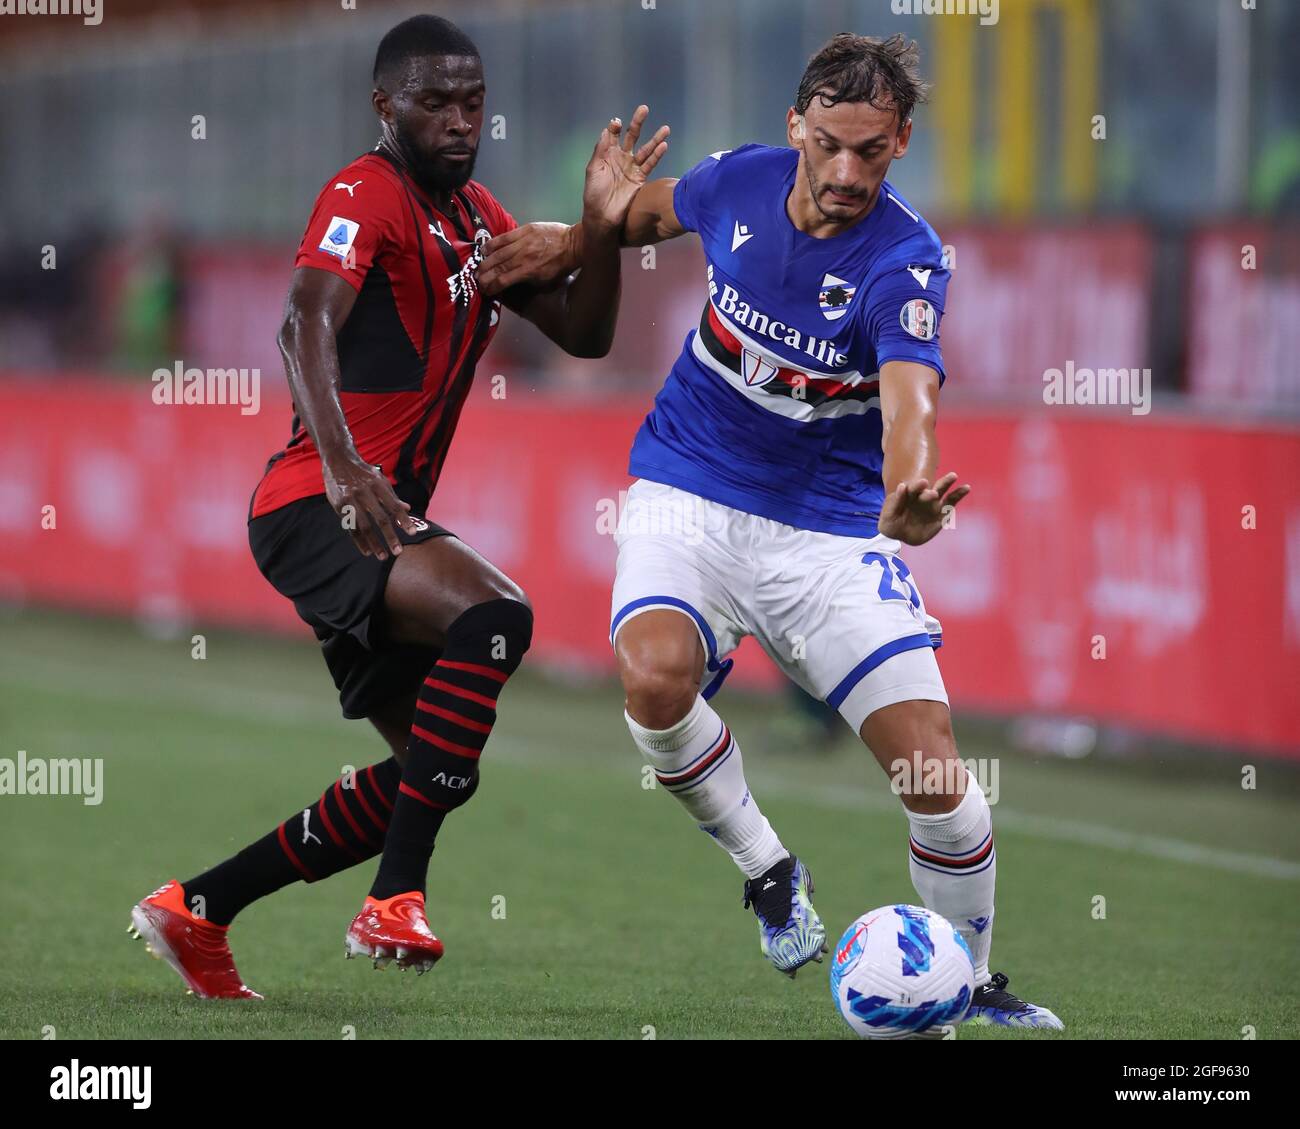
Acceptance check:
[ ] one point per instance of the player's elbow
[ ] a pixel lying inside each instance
(290, 330)
(908, 421)
(590, 347)
(296, 327)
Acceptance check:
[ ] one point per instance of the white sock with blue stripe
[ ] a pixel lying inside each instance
(954, 868)
(699, 762)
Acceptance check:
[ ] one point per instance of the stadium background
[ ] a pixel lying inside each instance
(1120, 595)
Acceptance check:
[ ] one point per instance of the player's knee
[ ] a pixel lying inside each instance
(507, 589)
(935, 775)
(452, 783)
(658, 694)
(501, 629)
(941, 797)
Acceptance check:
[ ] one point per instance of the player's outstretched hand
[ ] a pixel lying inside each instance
(536, 253)
(914, 511)
(618, 169)
(367, 507)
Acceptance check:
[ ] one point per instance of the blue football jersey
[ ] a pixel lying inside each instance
(773, 406)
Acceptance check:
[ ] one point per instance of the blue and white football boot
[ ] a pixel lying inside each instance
(993, 1004)
(789, 931)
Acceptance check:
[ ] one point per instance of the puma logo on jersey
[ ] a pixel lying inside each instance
(740, 236)
(349, 187)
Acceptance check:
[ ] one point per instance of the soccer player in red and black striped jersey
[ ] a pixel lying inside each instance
(384, 324)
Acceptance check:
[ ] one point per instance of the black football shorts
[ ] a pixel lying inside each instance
(307, 555)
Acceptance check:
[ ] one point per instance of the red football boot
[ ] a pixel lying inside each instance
(394, 929)
(195, 948)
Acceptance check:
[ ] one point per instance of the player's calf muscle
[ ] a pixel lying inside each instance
(914, 744)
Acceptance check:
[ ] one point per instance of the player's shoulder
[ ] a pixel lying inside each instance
(752, 160)
(366, 181)
(904, 232)
(490, 209)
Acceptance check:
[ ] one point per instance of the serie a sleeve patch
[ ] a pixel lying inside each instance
(340, 235)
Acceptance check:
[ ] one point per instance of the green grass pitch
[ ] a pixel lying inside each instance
(621, 920)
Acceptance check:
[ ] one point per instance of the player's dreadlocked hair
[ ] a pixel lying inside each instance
(861, 68)
(420, 35)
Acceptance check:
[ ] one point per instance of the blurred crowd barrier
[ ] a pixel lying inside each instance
(1074, 582)
(1122, 135)
(1214, 313)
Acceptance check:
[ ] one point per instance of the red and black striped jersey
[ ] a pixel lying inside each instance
(408, 348)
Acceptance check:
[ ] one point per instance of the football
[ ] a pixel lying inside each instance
(900, 971)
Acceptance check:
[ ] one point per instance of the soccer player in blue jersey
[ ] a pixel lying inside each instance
(789, 456)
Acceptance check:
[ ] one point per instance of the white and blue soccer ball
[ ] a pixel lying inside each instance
(899, 971)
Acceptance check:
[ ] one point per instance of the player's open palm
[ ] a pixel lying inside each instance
(618, 169)
(915, 511)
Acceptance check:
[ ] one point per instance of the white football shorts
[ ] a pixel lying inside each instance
(841, 616)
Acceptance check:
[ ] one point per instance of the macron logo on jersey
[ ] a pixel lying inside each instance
(339, 237)
(922, 275)
(740, 236)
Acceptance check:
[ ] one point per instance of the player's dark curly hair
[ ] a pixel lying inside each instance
(861, 68)
(420, 35)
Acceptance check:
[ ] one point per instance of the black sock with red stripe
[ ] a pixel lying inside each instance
(344, 827)
(454, 714)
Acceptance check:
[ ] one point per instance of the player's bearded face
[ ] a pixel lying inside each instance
(437, 120)
(443, 168)
(848, 148)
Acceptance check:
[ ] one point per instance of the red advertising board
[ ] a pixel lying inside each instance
(1025, 300)
(1144, 571)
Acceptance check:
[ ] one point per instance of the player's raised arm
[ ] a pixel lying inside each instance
(318, 304)
(651, 218)
(580, 315)
(542, 254)
(913, 509)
